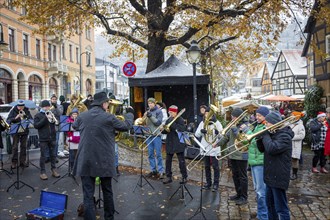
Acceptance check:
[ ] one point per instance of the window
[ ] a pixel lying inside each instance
(63, 51)
(54, 53)
(70, 53)
(311, 68)
(277, 84)
(77, 55)
(327, 46)
(38, 53)
(24, 11)
(11, 40)
(49, 52)
(88, 33)
(286, 83)
(88, 59)
(256, 83)
(10, 4)
(25, 44)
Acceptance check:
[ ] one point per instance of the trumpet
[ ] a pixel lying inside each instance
(22, 114)
(216, 140)
(51, 117)
(241, 144)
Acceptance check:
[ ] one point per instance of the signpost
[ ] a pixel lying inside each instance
(129, 69)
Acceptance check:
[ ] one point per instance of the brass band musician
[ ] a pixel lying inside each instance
(75, 102)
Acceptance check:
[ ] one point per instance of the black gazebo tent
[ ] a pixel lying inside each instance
(171, 83)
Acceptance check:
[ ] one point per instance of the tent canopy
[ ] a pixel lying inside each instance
(282, 98)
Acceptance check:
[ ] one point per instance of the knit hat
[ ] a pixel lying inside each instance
(237, 112)
(262, 110)
(44, 103)
(273, 117)
(173, 108)
(321, 114)
(20, 103)
(62, 98)
(207, 109)
(153, 100)
(74, 110)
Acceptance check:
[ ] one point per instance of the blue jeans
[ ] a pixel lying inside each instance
(88, 186)
(116, 155)
(155, 145)
(56, 146)
(260, 189)
(277, 204)
(47, 146)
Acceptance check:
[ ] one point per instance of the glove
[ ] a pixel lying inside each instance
(130, 110)
(216, 132)
(149, 114)
(204, 131)
(54, 104)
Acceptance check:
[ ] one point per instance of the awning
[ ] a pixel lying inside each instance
(280, 98)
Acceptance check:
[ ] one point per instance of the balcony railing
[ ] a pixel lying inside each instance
(57, 66)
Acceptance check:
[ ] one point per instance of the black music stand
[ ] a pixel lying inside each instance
(99, 200)
(30, 122)
(65, 126)
(183, 189)
(141, 130)
(1, 165)
(200, 208)
(14, 129)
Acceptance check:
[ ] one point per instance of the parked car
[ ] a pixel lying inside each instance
(4, 110)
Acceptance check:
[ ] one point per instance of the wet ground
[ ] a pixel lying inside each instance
(309, 195)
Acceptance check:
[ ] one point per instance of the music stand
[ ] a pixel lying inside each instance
(14, 129)
(99, 200)
(65, 126)
(30, 122)
(200, 208)
(1, 168)
(141, 130)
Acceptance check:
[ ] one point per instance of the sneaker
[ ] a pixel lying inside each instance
(151, 174)
(207, 187)
(183, 180)
(293, 177)
(168, 180)
(66, 152)
(215, 188)
(234, 197)
(323, 170)
(55, 174)
(162, 176)
(241, 201)
(61, 154)
(314, 170)
(43, 176)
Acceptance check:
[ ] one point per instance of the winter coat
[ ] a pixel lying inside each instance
(155, 120)
(228, 140)
(96, 153)
(255, 156)
(173, 144)
(73, 137)
(2, 128)
(12, 115)
(46, 130)
(277, 148)
(327, 139)
(209, 150)
(165, 117)
(299, 134)
(315, 129)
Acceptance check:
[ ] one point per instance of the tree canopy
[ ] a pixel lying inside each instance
(237, 29)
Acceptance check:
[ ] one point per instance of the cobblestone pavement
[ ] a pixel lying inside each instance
(309, 195)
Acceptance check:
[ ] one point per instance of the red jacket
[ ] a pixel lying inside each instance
(71, 134)
(327, 139)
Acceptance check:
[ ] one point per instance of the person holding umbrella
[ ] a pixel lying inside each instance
(17, 114)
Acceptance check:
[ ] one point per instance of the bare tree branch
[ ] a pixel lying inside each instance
(139, 8)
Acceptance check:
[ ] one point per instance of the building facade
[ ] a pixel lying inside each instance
(109, 78)
(318, 61)
(35, 66)
(290, 74)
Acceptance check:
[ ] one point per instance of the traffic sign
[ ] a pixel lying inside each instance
(129, 69)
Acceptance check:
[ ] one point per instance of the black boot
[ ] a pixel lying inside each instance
(294, 174)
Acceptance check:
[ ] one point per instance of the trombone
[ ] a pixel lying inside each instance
(245, 139)
(216, 140)
(165, 127)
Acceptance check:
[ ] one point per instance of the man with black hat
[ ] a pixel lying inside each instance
(96, 154)
(17, 115)
(277, 147)
(45, 124)
(238, 159)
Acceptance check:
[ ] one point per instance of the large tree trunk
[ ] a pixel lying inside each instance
(156, 47)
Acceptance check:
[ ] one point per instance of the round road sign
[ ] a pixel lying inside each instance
(129, 69)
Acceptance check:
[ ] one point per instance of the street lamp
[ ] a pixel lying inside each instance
(193, 56)
(80, 69)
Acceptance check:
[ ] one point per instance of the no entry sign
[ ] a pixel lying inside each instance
(129, 69)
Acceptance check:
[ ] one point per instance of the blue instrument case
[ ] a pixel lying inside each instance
(52, 207)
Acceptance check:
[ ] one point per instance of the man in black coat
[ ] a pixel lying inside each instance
(45, 124)
(173, 145)
(277, 148)
(96, 153)
(17, 115)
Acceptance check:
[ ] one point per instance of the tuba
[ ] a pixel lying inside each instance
(209, 134)
(113, 104)
(4, 123)
(80, 98)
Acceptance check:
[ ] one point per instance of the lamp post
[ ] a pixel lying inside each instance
(193, 56)
(80, 70)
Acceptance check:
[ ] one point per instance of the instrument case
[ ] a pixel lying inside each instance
(52, 207)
